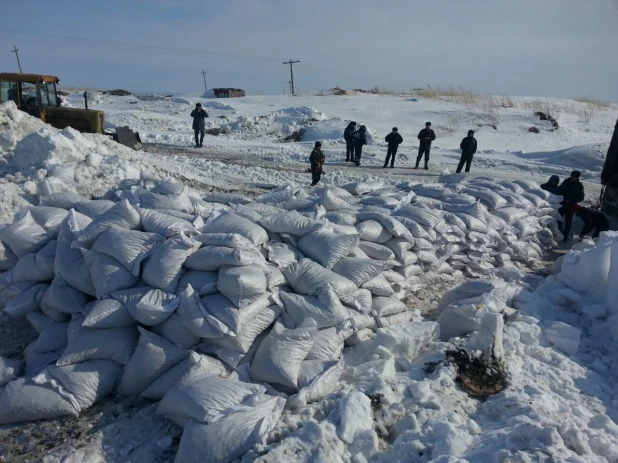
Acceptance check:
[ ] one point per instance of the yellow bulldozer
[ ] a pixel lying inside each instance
(37, 95)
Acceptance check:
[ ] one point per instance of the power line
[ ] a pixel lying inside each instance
(125, 44)
(291, 63)
(16, 51)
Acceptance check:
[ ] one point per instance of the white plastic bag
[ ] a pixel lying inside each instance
(232, 437)
(280, 355)
(164, 267)
(107, 274)
(232, 223)
(207, 398)
(291, 223)
(325, 308)
(24, 236)
(152, 357)
(327, 248)
(128, 247)
(241, 285)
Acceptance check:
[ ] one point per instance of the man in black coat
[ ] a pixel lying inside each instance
(317, 159)
(572, 192)
(360, 140)
(552, 185)
(426, 136)
(468, 148)
(393, 139)
(199, 124)
(593, 220)
(348, 135)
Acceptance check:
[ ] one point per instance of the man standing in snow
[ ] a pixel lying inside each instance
(593, 220)
(572, 192)
(317, 159)
(199, 124)
(468, 148)
(393, 139)
(360, 139)
(426, 136)
(348, 135)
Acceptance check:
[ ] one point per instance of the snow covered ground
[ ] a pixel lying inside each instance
(256, 124)
(560, 342)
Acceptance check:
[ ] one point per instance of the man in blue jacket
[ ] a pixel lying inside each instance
(348, 135)
(360, 139)
(199, 124)
(468, 148)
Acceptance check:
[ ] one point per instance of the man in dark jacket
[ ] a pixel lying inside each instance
(348, 135)
(593, 220)
(199, 124)
(317, 159)
(360, 139)
(572, 192)
(393, 139)
(426, 136)
(552, 184)
(468, 148)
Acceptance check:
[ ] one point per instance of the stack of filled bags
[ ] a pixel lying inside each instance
(222, 307)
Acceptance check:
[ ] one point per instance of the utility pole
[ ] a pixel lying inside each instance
(204, 74)
(291, 88)
(291, 74)
(16, 51)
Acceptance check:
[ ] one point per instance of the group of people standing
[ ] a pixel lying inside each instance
(572, 192)
(356, 139)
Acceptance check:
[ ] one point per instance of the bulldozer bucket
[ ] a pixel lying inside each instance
(125, 136)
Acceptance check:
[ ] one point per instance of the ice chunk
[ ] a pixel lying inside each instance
(564, 337)
(355, 410)
(407, 340)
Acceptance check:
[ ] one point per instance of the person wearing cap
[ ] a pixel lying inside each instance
(317, 159)
(572, 192)
(348, 136)
(394, 139)
(360, 139)
(468, 148)
(199, 124)
(593, 220)
(426, 136)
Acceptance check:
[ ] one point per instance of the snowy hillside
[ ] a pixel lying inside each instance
(256, 124)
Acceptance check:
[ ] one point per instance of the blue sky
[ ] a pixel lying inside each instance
(519, 47)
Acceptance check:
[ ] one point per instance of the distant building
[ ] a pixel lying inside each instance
(228, 92)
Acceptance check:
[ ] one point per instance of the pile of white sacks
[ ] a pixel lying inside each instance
(223, 307)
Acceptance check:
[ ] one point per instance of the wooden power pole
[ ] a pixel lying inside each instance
(291, 74)
(16, 51)
(204, 74)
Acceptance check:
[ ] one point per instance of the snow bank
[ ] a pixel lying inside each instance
(40, 160)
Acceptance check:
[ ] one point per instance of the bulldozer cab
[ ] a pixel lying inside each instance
(37, 95)
(31, 93)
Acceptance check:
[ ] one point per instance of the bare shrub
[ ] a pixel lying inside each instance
(594, 102)
(507, 102)
(587, 112)
(452, 121)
